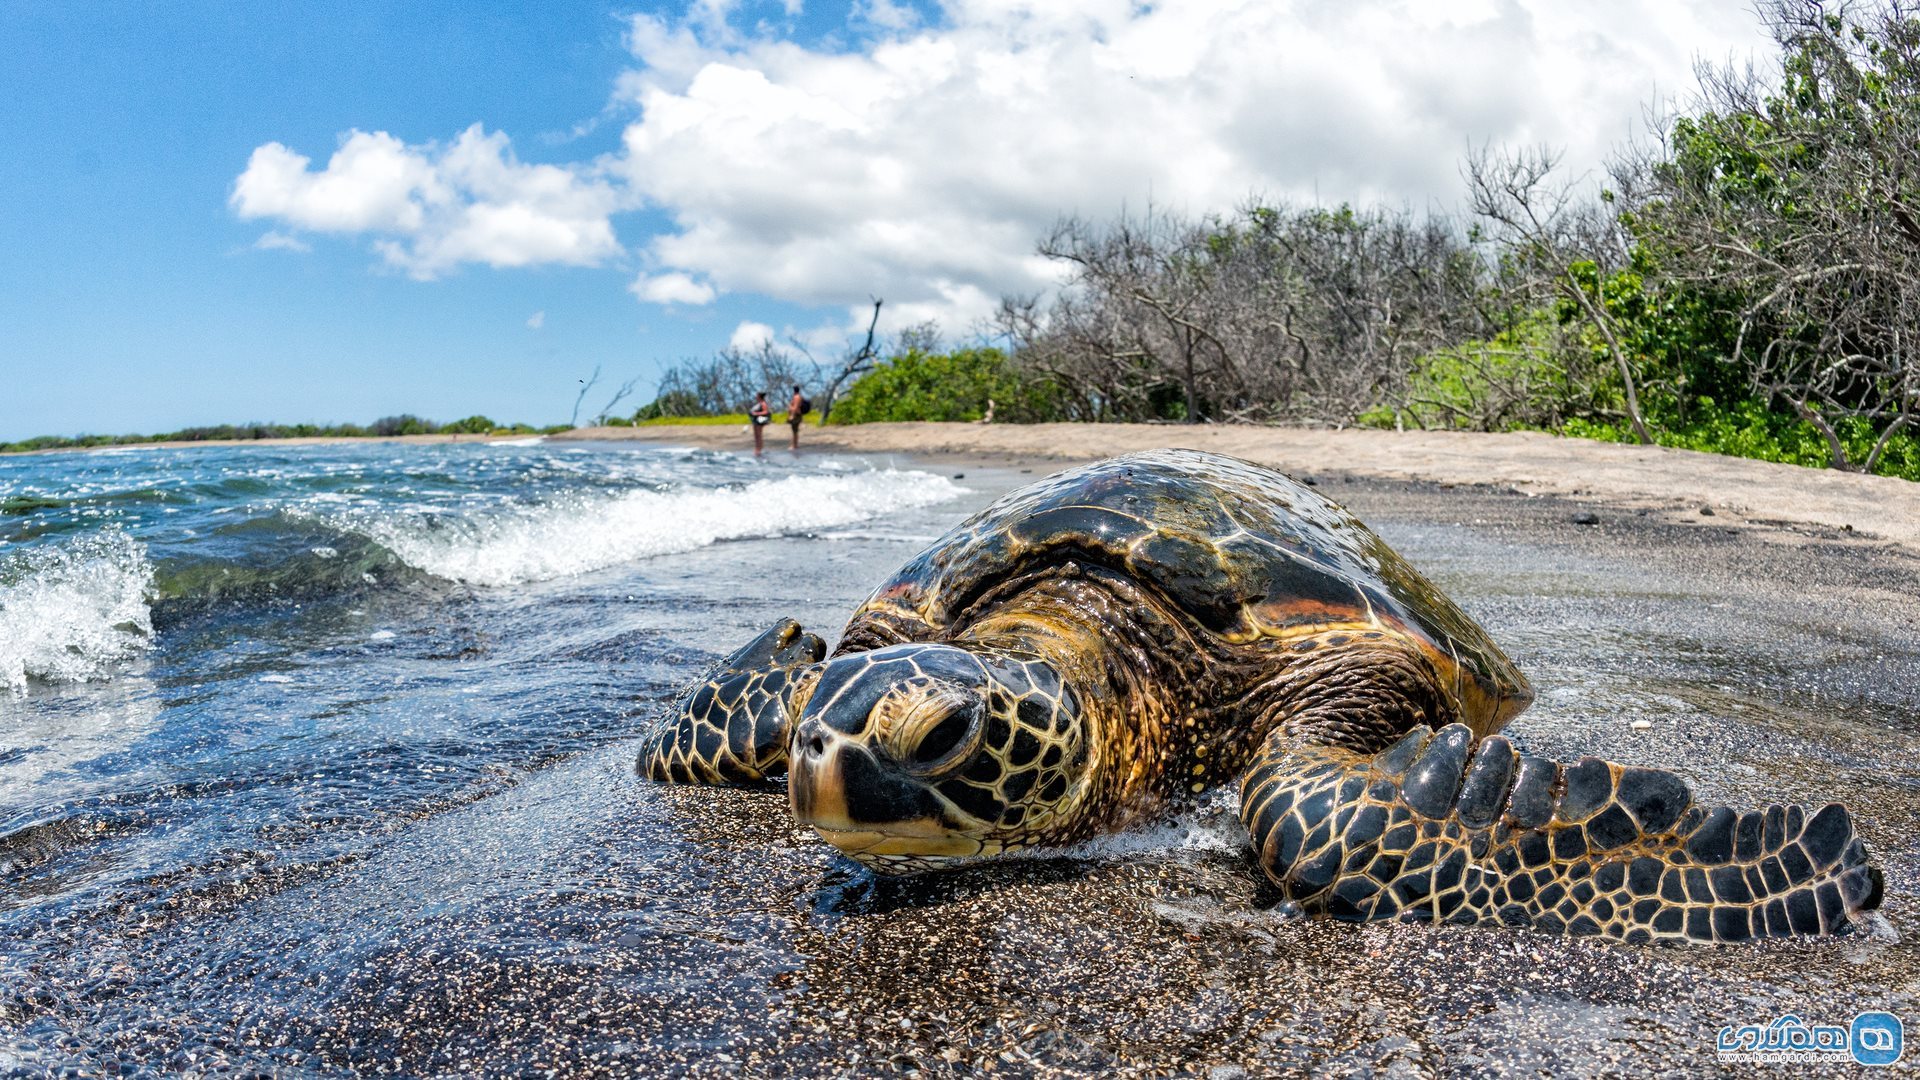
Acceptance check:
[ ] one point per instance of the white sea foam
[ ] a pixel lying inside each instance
(891, 535)
(71, 612)
(579, 534)
(1208, 829)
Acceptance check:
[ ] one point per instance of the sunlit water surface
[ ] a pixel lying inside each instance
(230, 676)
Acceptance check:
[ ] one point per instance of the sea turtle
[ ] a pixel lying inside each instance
(1131, 633)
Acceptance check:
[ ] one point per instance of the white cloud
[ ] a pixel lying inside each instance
(920, 162)
(672, 288)
(373, 182)
(923, 167)
(536, 320)
(750, 335)
(278, 241)
(886, 14)
(434, 207)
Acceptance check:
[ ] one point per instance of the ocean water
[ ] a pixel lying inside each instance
(230, 676)
(318, 761)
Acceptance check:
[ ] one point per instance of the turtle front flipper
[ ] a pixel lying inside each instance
(1437, 828)
(730, 727)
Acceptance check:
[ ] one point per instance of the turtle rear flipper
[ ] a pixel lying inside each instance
(731, 726)
(1438, 828)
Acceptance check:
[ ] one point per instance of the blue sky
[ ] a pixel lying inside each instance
(180, 245)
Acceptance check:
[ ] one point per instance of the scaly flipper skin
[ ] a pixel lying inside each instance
(731, 727)
(1438, 828)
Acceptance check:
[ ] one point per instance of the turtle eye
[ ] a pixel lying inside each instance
(939, 733)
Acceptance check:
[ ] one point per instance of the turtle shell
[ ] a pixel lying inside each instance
(1244, 551)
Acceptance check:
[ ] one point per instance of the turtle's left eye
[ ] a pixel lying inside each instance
(938, 733)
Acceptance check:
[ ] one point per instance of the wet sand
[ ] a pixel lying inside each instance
(1159, 953)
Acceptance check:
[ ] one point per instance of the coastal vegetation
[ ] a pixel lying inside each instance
(404, 424)
(1745, 281)
(922, 383)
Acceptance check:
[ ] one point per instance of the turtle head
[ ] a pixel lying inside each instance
(913, 757)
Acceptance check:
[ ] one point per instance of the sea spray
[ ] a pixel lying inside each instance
(578, 533)
(70, 612)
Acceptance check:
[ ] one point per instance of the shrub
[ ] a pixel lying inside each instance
(1517, 379)
(717, 420)
(404, 424)
(1748, 429)
(957, 385)
(672, 404)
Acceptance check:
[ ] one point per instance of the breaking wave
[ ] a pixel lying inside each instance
(72, 611)
(576, 534)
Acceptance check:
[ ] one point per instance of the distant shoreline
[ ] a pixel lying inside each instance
(295, 440)
(1708, 490)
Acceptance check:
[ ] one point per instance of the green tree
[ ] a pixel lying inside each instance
(671, 404)
(1800, 203)
(956, 385)
(404, 424)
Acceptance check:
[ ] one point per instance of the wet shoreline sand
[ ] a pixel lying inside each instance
(1161, 955)
(1157, 953)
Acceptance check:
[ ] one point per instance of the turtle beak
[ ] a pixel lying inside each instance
(815, 787)
(860, 805)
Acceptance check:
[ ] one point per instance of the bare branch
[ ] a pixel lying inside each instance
(585, 385)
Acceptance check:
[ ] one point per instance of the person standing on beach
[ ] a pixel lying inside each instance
(761, 414)
(796, 408)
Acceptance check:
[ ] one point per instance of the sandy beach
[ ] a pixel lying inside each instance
(1681, 484)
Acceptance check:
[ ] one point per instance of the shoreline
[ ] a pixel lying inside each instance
(294, 440)
(1683, 485)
